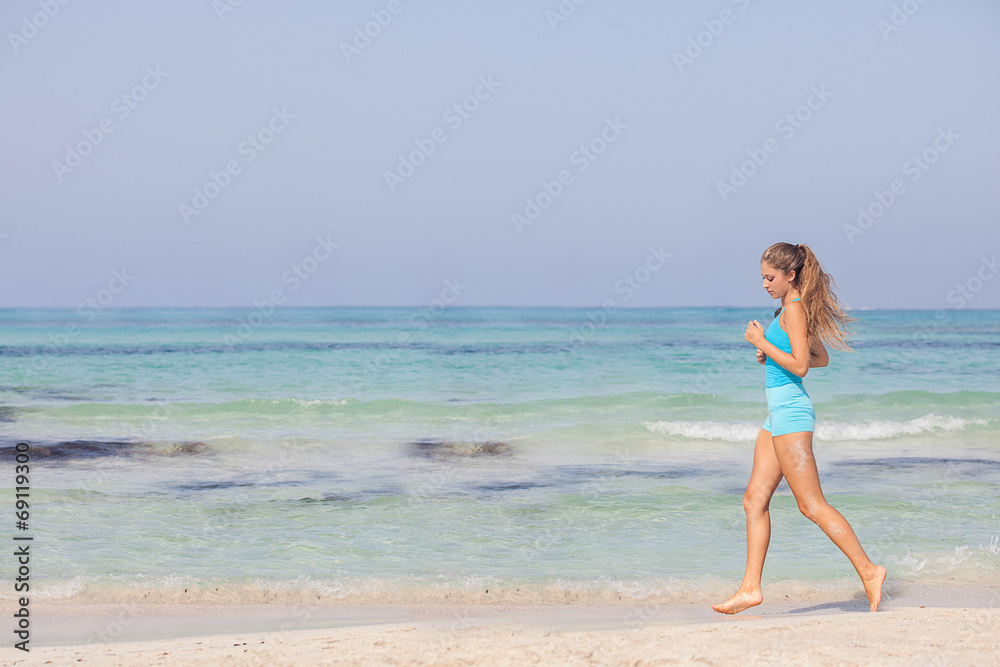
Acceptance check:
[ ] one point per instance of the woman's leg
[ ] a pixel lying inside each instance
(795, 455)
(764, 479)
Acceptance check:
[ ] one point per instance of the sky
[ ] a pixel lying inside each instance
(545, 153)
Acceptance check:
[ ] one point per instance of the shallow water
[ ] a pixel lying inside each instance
(349, 453)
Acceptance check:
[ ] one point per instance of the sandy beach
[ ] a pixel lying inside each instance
(513, 333)
(832, 633)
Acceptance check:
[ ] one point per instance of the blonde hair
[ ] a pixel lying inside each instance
(824, 316)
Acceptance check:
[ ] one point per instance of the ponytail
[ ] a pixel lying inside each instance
(824, 316)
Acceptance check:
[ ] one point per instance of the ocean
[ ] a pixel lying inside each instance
(480, 454)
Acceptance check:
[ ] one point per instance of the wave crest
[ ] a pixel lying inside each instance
(869, 429)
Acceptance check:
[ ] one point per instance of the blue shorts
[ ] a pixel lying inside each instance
(789, 410)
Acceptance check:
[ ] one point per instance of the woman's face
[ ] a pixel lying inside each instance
(775, 282)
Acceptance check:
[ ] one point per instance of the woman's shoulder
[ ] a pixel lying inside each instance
(794, 311)
(795, 304)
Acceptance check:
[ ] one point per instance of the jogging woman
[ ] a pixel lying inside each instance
(793, 343)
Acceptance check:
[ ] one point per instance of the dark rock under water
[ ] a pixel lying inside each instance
(88, 449)
(455, 449)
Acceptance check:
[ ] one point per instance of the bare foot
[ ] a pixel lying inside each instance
(739, 602)
(873, 587)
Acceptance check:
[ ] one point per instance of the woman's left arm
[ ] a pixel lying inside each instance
(818, 356)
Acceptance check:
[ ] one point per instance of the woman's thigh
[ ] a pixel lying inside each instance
(766, 473)
(794, 453)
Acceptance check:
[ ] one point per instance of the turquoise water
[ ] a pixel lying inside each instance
(544, 454)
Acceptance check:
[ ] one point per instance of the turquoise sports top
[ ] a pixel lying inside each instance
(776, 374)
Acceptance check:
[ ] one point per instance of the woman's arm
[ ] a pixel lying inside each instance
(795, 325)
(818, 356)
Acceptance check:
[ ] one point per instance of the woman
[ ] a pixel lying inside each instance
(791, 345)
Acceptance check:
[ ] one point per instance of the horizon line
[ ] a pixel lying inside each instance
(461, 307)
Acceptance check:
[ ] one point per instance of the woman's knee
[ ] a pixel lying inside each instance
(755, 503)
(811, 508)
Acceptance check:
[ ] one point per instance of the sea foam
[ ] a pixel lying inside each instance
(869, 429)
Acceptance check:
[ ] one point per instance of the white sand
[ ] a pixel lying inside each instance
(541, 634)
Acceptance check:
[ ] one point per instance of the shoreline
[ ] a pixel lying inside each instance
(827, 634)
